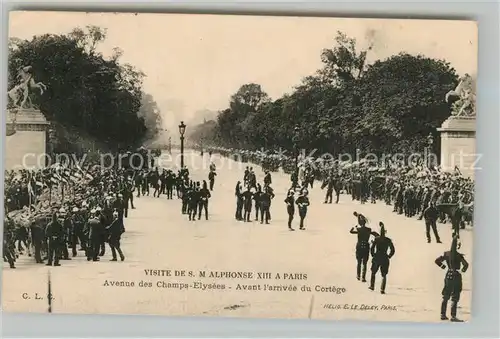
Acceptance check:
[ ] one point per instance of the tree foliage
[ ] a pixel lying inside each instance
(388, 106)
(97, 97)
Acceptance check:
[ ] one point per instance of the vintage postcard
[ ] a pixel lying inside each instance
(240, 166)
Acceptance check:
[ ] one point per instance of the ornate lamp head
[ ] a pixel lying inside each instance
(182, 128)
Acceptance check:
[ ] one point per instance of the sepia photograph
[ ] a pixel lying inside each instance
(240, 166)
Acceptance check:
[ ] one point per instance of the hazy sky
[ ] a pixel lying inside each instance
(196, 62)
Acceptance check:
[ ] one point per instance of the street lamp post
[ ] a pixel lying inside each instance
(170, 145)
(295, 140)
(182, 130)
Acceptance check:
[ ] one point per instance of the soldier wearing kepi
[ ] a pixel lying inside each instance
(115, 231)
(95, 228)
(362, 246)
(303, 204)
(380, 257)
(431, 215)
(55, 236)
(290, 208)
(455, 262)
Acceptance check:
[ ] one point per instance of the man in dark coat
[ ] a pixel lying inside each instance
(115, 231)
(380, 257)
(55, 236)
(456, 263)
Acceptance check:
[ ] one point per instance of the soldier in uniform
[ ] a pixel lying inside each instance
(185, 195)
(239, 202)
(194, 201)
(37, 235)
(431, 215)
(7, 240)
(203, 203)
(211, 179)
(169, 184)
(380, 257)
(252, 180)
(245, 175)
(455, 262)
(55, 239)
(247, 202)
(68, 231)
(115, 231)
(266, 198)
(362, 246)
(96, 234)
(257, 198)
(328, 183)
(290, 208)
(77, 222)
(303, 204)
(138, 183)
(267, 178)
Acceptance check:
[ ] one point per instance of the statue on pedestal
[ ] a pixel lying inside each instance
(463, 98)
(20, 93)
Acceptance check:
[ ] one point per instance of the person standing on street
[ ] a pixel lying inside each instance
(239, 202)
(380, 257)
(290, 208)
(362, 246)
(456, 263)
(431, 215)
(211, 179)
(55, 235)
(266, 198)
(203, 204)
(96, 234)
(247, 203)
(115, 231)
(257, 198)
(303, 204)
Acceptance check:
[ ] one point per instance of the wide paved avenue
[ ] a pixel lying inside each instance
(159, 237)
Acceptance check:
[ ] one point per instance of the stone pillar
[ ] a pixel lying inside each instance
(458, 144)
(26, 140)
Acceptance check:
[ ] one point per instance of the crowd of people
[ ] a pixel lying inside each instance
(414, 191)
(411, 188)
(62, 210)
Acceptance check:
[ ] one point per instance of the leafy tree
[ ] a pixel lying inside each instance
(98, 98)
(388, 106)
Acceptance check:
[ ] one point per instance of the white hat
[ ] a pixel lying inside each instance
(75, 209)
(92, 211)
(62, 210)
(98, 209)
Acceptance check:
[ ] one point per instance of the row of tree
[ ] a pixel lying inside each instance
(388, 106)
(99, 100)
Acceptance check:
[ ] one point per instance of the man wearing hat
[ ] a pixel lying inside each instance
(55, 240)
(362, 246)
(455, 263)
(380, 257)
(96, 234)
(7, 241)
(203, 203)
(247, 202)
(115, 231)
(303, 204)
(290, 208)
(76, 235)
(68, 230)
